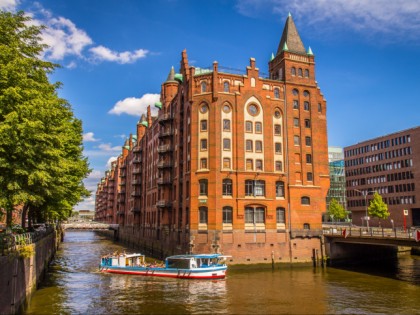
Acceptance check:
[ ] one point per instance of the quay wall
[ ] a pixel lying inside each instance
(270, 247)
(19, 276)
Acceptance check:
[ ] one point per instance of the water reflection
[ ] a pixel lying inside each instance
(75, 286)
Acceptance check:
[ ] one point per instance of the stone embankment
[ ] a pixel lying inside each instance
(24, 260)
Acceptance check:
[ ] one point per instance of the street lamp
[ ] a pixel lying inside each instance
(365, 196)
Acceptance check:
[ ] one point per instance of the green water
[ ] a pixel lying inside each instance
(74, 286)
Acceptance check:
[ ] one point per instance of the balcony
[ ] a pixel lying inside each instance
(121, 199)
(135, 194)
(164, 181)
(121, 212)
(137, 160)
(135, 210)
(166, 133)
(136, 182)
(137, 149)
(137, 170)
(164, 164)
(164, 148)
(165, 117)
(164, 203)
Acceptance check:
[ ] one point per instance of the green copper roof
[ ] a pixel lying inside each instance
(158, 105)
(145, 123)
(285, 48)
(309, 52)
(178, 77)
(199, 71)
(126, 147)
(135, 137)
(272, 56)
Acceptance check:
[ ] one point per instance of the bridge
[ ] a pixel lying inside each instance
(343, 244)
(89, 225)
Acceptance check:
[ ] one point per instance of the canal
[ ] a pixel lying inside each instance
(74, 286)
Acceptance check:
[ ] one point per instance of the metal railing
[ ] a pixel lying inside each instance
(348, 231)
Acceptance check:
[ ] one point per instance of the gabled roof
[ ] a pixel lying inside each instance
(291, 38)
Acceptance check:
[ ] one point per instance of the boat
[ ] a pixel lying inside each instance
(192, 266)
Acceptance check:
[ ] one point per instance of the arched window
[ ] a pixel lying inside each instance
(281, 215)
(258, 127)
(306, 226)
(300, 72)
(305, 200)
(306, 73)
(203, 187)
(226, 86)
(227, 187)
(306, 105)
(279, 189)
(295, 92)
(254, 215)
(293, 71)
(227, 215)
(203, 87)
(203, 215)
(276, 93)
(254, 187)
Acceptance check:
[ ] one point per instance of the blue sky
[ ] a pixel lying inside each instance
(116, 53)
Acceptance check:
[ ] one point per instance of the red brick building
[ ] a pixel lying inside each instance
(389, 165)
(234, 163)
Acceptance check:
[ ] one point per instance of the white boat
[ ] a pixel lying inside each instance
(194, 266)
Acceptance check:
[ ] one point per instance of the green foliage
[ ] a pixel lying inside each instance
(41, 160)
(337, 210)
(378, 208)
(26, 251)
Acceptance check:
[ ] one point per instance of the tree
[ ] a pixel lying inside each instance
(41, 160)
(377, 208)
(336, 210)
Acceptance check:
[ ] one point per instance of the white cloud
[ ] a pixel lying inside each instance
(136, 106)
(89, 137)
(110, 160)
(108, 148)
(372, 17)
(86, 204)
(8, 5)
(102, 53)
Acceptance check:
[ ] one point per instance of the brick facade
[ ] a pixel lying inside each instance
(234, 163)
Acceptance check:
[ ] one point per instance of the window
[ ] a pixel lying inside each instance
(225, 86)
(254, 187)
(226, 108)
(249, 145)
(319, 108)
(226, 162)
(226, 144)
(227, 215)
(227, 187)
(306, 226)
(295, 104)
(279, 166)
(277, 113)
(253, 109)
(203, 187)
(309, 158)
(295, 92)
(296, 122)
(300, 73)
(276, 93)
(279, 189)
(305, 200)
(258, 146)
(308, 141)
(203, 215)
(203, 144)
(249, 165)
(226, 125)
(309, 177)
(203, 163)
(293, 71)
(307, 123)
(306, 105)
(204, 109)
(305, 93)
(258, 165)
(203, 87)
(306, 73)
(296, 140)
(203, 125)
(258, 127)
(281, 215)
(277, 130)
(248, 126)
(254, 215)
(277, 147)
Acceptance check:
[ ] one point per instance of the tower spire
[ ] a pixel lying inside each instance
(290, 38)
